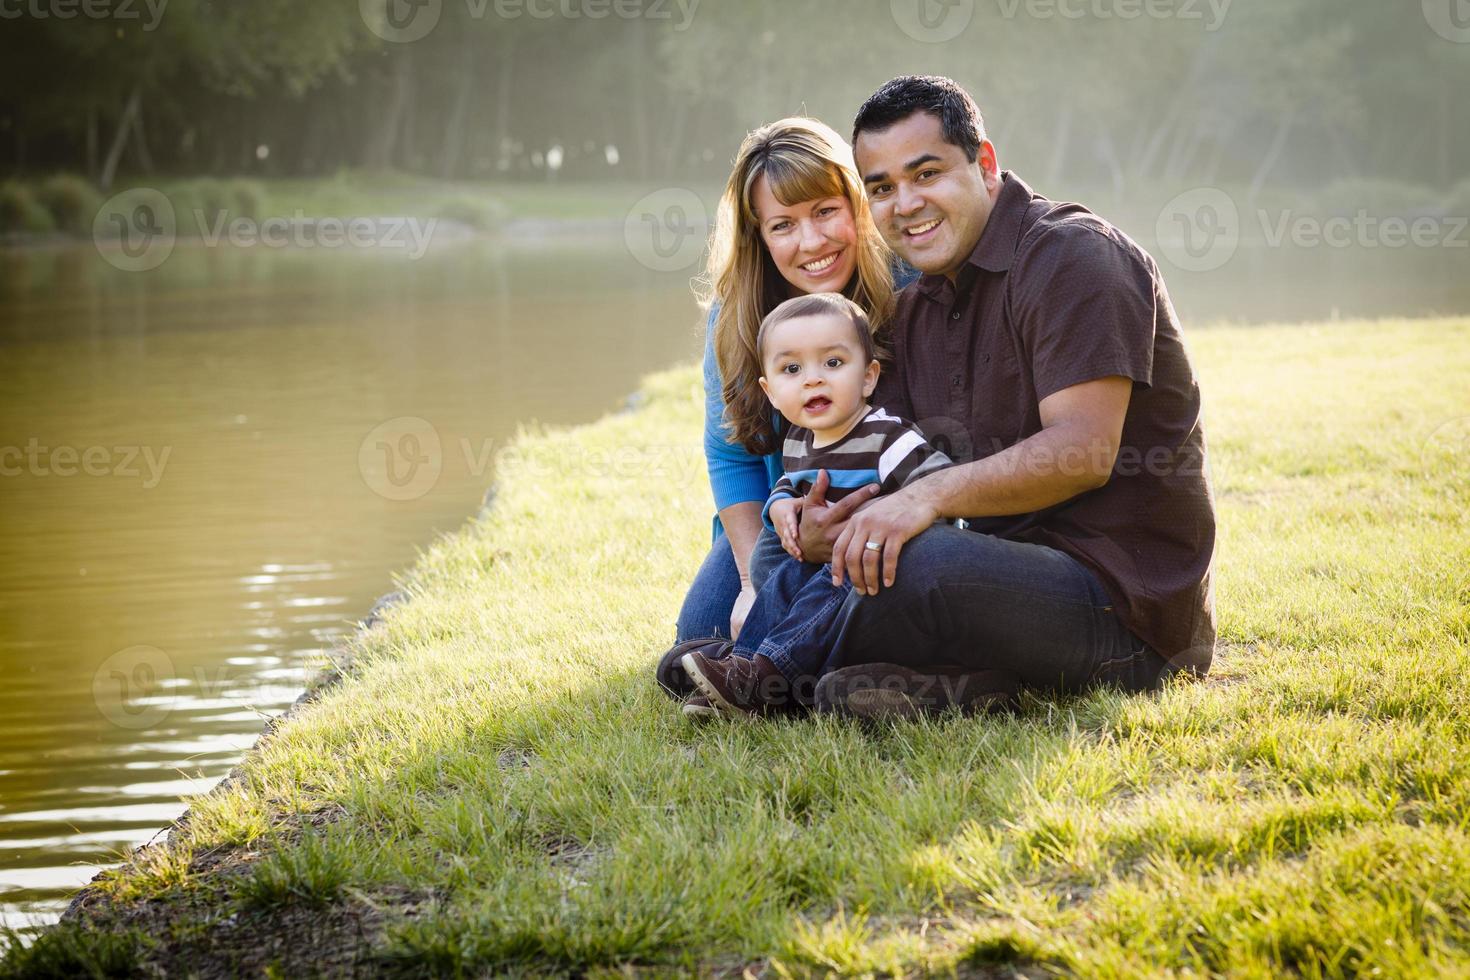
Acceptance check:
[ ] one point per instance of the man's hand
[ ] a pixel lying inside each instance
(785, 514)
(889, 522)
(822, 522)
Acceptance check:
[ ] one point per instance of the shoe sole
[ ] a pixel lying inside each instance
(700, 712)
(724, 708)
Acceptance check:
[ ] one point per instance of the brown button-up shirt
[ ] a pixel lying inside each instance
(1051, 297)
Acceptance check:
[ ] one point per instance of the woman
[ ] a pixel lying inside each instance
(793, 219)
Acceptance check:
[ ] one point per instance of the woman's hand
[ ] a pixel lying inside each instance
(743, 602)
(785, 514)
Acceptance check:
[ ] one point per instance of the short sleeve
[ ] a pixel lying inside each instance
(1084, 301)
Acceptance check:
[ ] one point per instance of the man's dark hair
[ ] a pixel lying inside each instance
(941, 97)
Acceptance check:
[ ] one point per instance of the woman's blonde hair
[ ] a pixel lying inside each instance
(802, 160)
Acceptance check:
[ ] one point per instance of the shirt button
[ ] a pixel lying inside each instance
(955, 381)
(955, 315)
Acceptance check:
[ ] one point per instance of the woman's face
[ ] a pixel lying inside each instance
(813, 243)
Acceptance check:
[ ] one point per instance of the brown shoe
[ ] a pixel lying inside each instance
(890, 691)
(670, 671)
(698, 708)
(738, 686)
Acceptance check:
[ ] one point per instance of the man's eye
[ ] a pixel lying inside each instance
(926, 174)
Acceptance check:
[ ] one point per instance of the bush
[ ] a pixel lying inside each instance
(72, 202)
(479, 213)
(21, 212)
(1459, 202)
(1381, 198)
(247, 199)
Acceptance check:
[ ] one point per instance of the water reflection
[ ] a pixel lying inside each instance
(156, 609)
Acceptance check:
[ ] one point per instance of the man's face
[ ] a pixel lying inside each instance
(930, 203)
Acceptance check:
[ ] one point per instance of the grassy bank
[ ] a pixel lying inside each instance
(66, 205)
(497, 787)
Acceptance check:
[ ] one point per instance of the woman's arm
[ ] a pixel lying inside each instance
(743, 525)
(739, 480)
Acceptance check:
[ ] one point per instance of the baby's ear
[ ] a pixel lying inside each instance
(764, 387)
(870, 377)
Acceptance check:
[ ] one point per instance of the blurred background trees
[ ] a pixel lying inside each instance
(1286, 92)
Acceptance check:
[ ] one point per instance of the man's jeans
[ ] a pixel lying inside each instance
(972, 600)
(795, 617)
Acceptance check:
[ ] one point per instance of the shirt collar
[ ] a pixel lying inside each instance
(997, 245)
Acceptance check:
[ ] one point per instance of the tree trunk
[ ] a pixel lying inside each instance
(92, 140)
(638, 63)
(120, 138)
(454, 128)
(1273, 154)
(1060, 140)
(140, 144)
(384, 139)
(503, 86)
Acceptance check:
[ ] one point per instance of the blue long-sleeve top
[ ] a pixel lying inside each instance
(735, 475)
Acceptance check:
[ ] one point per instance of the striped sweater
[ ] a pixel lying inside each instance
(880, 449)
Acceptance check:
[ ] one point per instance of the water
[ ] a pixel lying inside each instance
(238, 514)
(252, 416)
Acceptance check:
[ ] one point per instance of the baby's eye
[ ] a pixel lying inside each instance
(792, 368)
(834, 362)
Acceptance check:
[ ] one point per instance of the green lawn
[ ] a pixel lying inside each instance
(497, 786)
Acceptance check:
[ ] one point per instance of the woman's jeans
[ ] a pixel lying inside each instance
(966, 599)
(711, 597)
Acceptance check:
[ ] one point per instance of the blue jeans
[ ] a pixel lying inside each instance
(794, 619)
(967, 599)
(716, 586)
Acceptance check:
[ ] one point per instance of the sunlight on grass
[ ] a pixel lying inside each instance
(500, 743)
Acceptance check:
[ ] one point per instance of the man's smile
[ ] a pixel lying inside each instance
(917, 232)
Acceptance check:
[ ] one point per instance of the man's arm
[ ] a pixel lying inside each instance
(1074, 452)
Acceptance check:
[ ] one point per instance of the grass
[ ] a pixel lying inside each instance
(499, 751)
(485, 205)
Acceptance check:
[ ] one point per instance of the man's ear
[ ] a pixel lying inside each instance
(989, 164)
(870, 378)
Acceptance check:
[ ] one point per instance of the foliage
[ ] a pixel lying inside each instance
(21, 212)
(72, 202)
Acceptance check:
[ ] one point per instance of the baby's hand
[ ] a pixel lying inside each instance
(785, 515)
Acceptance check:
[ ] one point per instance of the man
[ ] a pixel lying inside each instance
(1041, 340)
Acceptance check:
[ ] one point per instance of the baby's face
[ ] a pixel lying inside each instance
(815, 374)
